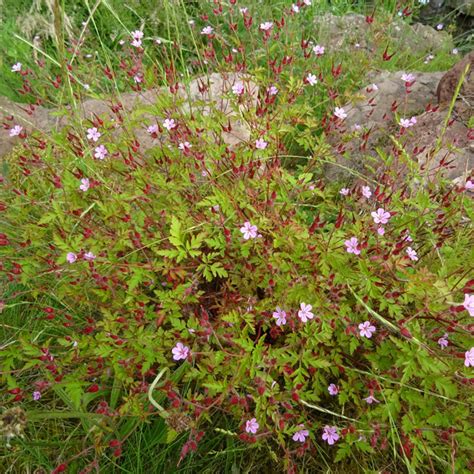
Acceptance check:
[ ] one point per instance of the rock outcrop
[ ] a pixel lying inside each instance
(340, 32)
(441, 146)
(466, 7)
(449, 83)
(203, 94)
(376, 106)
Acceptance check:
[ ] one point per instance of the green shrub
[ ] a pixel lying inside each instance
(207, 290)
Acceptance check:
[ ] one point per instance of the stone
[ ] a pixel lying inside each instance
(449, 82)
(439, 149)
(206, 94)
(372, 110)
(466, 7)
(215, 97)
(446, 150)
(343, 32)
(28, 116)
(372, 107)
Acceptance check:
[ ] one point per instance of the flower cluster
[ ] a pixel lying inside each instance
(189, 259)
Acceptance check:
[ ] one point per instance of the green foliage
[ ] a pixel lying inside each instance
(102, 284)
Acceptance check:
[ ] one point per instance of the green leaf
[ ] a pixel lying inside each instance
(343, 452)
(446, 387)
(175, 232)
(218, 270)
(47, 218)
(353, 345)
(170, 435)
(135, 279)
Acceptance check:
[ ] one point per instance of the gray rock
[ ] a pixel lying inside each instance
(374, 107)
(450, 81)
(439, 150)
(206, 94)
(28, 116)
(215, 97)
(343, 32)
(466, 7)
(447, 150)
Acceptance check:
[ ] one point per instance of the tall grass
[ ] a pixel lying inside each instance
(57, 423)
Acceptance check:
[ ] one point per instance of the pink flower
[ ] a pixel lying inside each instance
(36, 395)
(380, 216)
(408, 77)
(406, 123)
(305, 312)
(344, 191)
(280, 316)
(272, 90)
(300, 435)
(268, 25)
(249, 231)
(137, 34)
(412, 254)
(16, 130)
(443, 341)
(71, 257)
(330, 434)
(469, 358)
(311, 79)
(352, 246)
(251, 426)
(469, 185)
(180, 351)
(318, 50)
(295, 8)
(340, 113)
(407, 237)
(136, 43)
(238, 88)
(371, 399)
(169, 124)
(152, 129)
(366, 192)
(366, 329)
(16, 67)
(207, 30)
(333, 389)
(138, 78)
(89, 256)
(469, 304)
(184, 146)
(93, 134)
(85, 184)
(101, 152)
(261, 144)
(380, 230)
